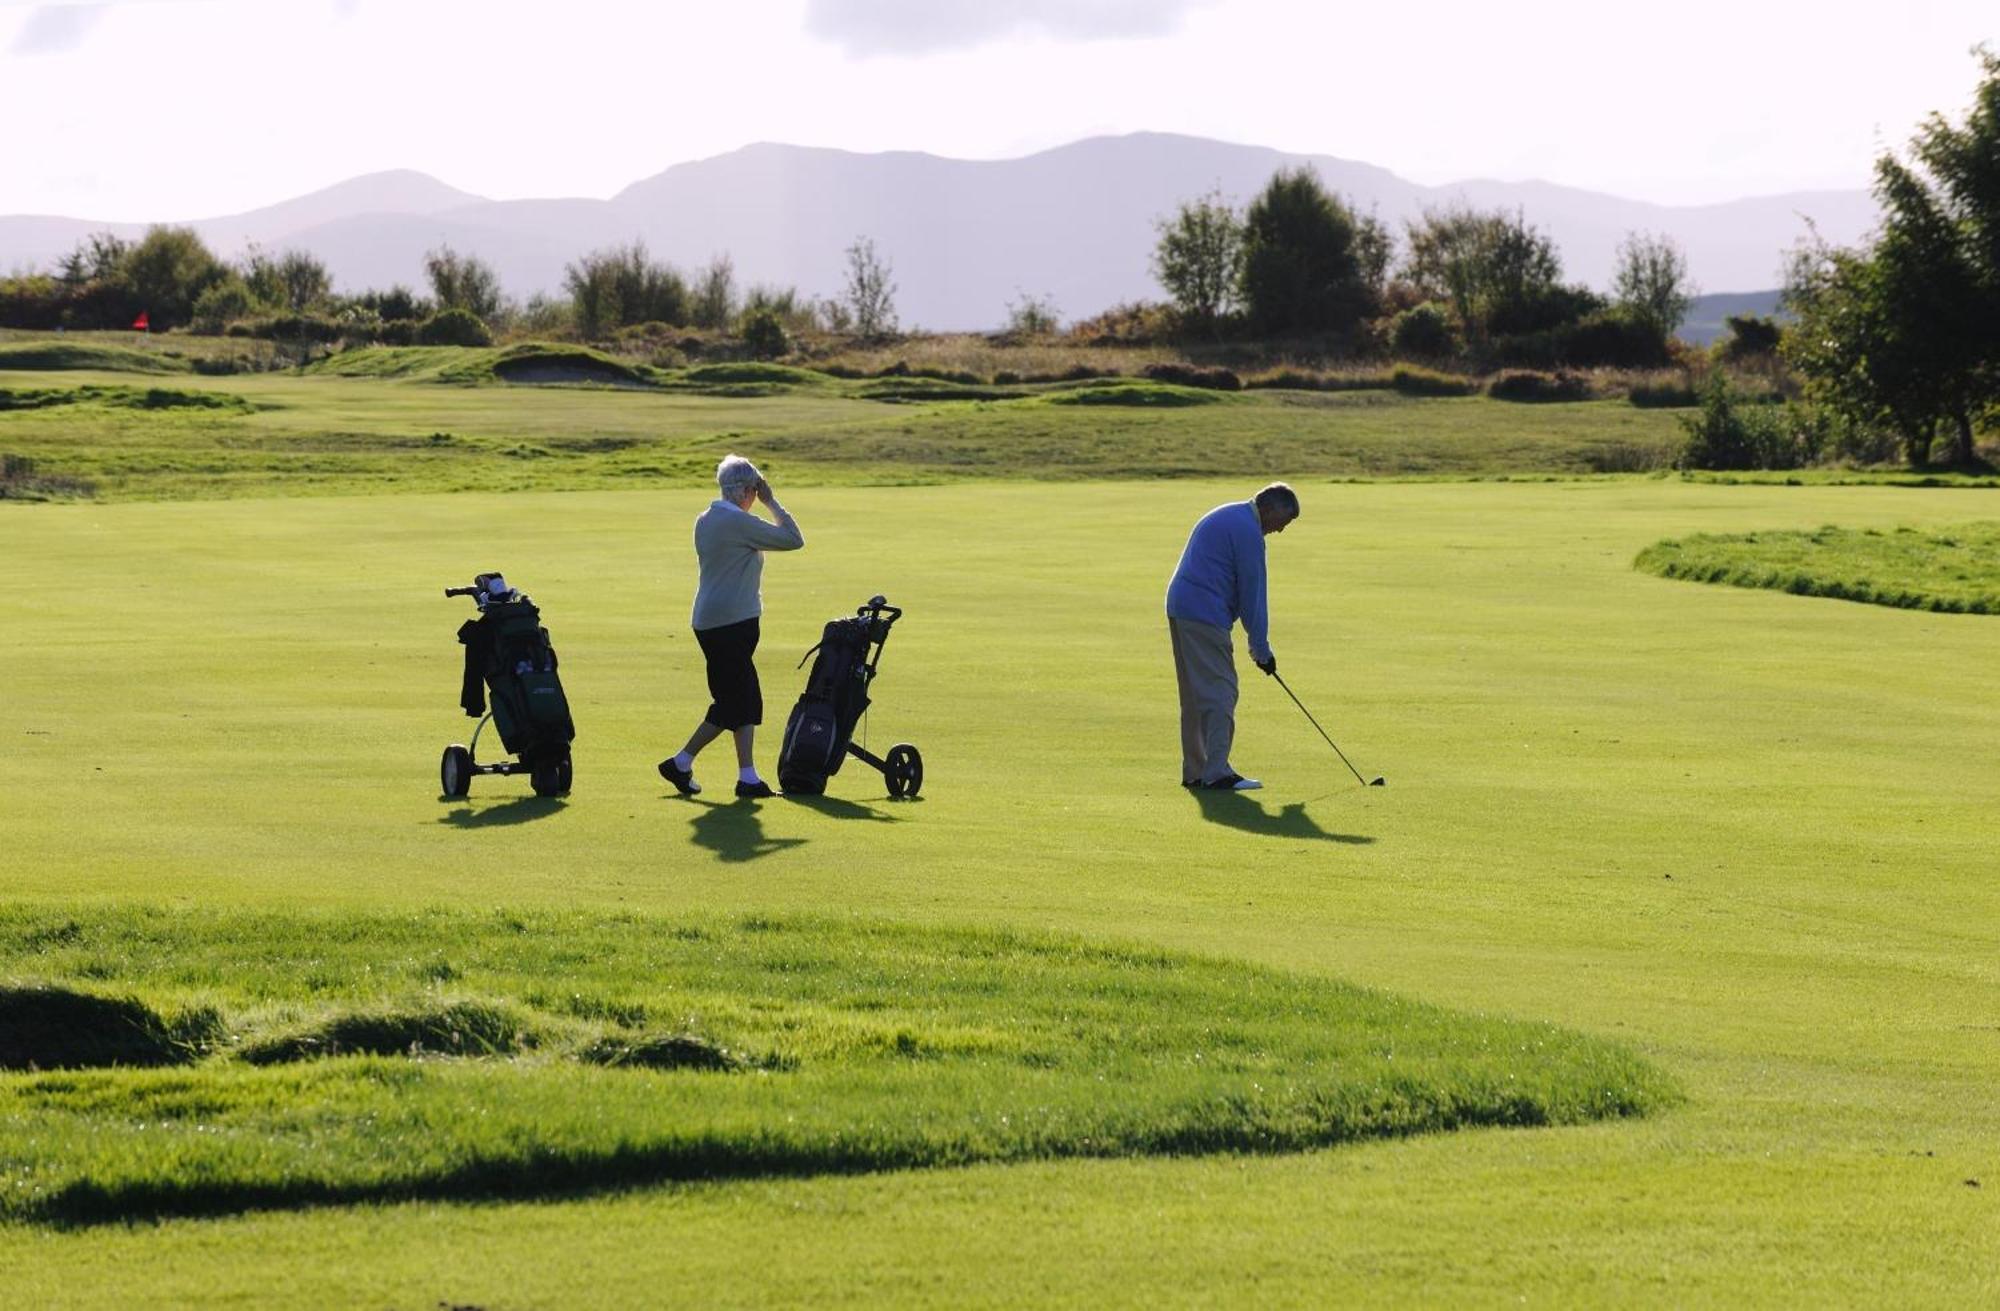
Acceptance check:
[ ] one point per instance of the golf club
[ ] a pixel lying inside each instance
(1373, 783)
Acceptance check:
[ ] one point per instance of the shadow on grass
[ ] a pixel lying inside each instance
(546, 1175)
(520, 810)
(837, 808)
(1239, 810)
(734, 831)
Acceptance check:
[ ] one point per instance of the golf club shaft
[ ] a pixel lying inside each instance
(1322, 732)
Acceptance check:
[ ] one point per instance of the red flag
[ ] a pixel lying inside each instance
(139, 324)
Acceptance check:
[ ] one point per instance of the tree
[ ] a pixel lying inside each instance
(1302, 269)
(99, 257)
(870, 295)
(1033, 316)
(623, 284)
(1906, 332)
(1498, 274)
(713, 302)
(168, 270)
(1198, 259)
(462, 282)
(1651, 284)
(293, 281)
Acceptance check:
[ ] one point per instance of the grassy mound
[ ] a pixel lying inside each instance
(540, 362)
(1146, 395)
(1953, 570)
(132, 398)
(888, 1048)
(54, 1028)
(752, 371)
(899, 390)
(48, 356)
(394, 361)
(466, 1028)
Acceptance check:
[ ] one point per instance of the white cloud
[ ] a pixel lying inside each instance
(911, 27)
(55, 29)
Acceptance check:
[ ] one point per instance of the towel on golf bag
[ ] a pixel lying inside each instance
(508, 651)
(823, 720)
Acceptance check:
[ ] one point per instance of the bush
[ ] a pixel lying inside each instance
(1137, 323)
(397, 332)
(1674, 394)
(1733, 432)
(1193, 375)
(454, 327)
(1603, 340)
(1429, 382)
(764, 335)
(289, 328)
(1751, 337)
(1424, 332)
(1528, 385)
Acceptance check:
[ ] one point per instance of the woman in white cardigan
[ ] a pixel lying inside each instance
(730, 541)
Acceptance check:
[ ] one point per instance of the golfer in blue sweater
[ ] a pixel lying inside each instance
(1219, 581)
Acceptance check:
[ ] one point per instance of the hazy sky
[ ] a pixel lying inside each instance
(158, 109)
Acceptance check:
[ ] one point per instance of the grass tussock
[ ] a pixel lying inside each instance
(48, 1027)
(1955, 571)
(878, 1047)
(464, 1028)
(130, 398)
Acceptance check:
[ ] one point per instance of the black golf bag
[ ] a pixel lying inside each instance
(820, 734)
(509, 655)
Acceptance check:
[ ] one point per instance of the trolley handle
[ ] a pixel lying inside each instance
(461, 591)
(878, 606)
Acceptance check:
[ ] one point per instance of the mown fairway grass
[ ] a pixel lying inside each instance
(1954, 569)
(1746, 834)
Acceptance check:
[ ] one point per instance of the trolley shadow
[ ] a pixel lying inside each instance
(1239, 811)
(520, 810)
(734, 831)
(839, 808)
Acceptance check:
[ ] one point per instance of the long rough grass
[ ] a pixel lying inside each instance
(456, 1055)
(1954, 570)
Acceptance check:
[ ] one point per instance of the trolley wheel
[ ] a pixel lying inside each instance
(550, 778)
(455, 771)
(905, 770)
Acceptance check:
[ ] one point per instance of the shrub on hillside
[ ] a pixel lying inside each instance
(1424, 332)
(454, 327)
(1194, 375)
(1136, 323)
(397, 332)
(764, 335)
(1412, 381)
(1529, 385)
(289, 328)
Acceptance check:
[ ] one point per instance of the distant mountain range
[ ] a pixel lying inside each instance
(965, 237)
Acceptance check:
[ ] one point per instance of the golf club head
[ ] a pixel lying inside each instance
(1378, 782)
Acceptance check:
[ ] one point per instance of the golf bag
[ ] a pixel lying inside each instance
(508, 655)
(819, 736)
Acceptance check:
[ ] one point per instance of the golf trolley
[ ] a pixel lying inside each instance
(820, 734)
(508, 651)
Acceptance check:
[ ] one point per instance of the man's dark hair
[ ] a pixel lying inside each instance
(1279, 497)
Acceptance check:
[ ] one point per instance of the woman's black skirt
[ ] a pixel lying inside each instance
(738, 700)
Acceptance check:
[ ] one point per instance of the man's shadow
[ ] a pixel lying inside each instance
(1239, 810)
(733, 831)
(518, 811)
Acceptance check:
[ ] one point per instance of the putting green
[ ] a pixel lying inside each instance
(1747, 833)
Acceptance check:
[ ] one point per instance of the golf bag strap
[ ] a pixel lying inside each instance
(809, 654)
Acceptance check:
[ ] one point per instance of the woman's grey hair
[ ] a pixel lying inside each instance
(735, 476)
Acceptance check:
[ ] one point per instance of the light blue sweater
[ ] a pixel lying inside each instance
(729, 543)
(1221, 575)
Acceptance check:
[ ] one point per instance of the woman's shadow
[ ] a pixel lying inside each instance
(734, 832)
(1238, 810)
